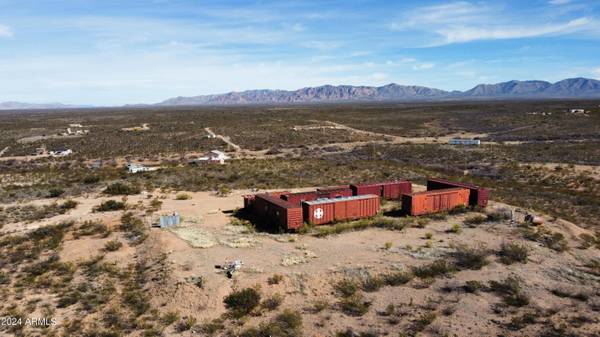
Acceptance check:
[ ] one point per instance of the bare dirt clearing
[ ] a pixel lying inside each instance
(310, 267)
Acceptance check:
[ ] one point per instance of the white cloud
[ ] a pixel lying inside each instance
(423, 66)
(559, 2)
(463, 21)
(5, 31)
(459, 34)
(596, 72)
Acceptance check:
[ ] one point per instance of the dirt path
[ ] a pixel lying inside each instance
(227, 140)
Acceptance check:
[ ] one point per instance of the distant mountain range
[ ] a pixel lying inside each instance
(569, 88)
(33, 106)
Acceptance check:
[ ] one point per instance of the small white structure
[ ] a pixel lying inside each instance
(135, 168)
(214, 156)
(460, 141)
(166, 221)
(577, 111)
(60, 152)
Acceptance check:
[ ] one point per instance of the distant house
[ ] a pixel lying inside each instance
(60, 152)
(577, 111)
(135, 168)
(460, 141)
(214, 156)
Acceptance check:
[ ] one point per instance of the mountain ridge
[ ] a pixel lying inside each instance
(578, 87)
(568, 88)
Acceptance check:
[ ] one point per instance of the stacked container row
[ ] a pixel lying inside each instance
(479, 195)
(434, 201)
(322, 211)
(334, 192)
(390, 190)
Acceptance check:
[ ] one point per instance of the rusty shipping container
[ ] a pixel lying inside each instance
(393, 190)
(277, 213)
(368, 188)
(298, 197)
(322, 211)
(334, 192)
(479, 195)
(249, 198)
(249, 201)
(434, 201)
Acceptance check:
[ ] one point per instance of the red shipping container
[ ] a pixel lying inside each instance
(249, 199)
(434, 201)
(364, 189)
(479, 195)
(322, 211)
(298, 197)
(334, 192)
(393, 190)
(277, 213)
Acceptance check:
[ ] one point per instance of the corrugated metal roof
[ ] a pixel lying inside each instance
(277, 201)
(444, 190)
(328, 200)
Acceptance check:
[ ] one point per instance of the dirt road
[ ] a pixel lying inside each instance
(227, 140)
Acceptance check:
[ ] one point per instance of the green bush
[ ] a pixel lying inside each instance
(513, 252)
(372, 283)
(185, 324)
(272, 302)
(398, 278)
(55, 192)
(434, 269)
(473, 286)
(346, 287)
(355, 305)
(183, 196)
(110, 205)
(242, 302)
(134, 228)
(119, 188)
(275, 279)
(286, 324)
(475, 220)
(470, 257)
(113, 245)
(511, 290)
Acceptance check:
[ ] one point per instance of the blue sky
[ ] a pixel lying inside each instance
(109, 52)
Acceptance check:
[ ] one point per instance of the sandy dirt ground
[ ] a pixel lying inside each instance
(310, 265)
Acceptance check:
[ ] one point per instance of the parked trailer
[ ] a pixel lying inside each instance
(393, 190)
(479, 195)
(434, 201)
(322, 211)
(277, 213)
(334, 192)
(298, 197)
